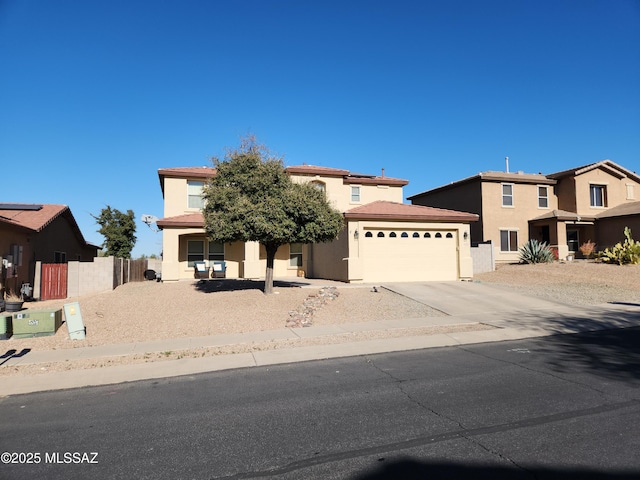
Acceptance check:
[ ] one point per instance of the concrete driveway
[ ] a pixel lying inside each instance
(467, 298)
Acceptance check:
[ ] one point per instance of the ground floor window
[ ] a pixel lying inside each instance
(295, 255)
(195, 251)
(216, 252)
(508, 240)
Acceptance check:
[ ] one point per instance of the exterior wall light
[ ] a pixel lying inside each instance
(465, 235)
(356, 235)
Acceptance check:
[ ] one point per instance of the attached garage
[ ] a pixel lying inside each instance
(393, 242)
(427, 254)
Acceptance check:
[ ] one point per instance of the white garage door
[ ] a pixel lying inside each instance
(409, 255)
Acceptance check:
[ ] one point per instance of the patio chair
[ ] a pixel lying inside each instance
(200, 270)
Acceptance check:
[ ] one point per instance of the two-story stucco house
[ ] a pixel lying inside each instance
(383, 238)
(565, 209)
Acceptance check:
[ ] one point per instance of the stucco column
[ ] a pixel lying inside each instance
(251, 265)
(354, 233)
(170, 256)
(563, 248)
(464, 253)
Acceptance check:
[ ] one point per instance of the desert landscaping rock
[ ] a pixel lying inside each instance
(147, 311)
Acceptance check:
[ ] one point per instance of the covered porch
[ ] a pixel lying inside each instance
(564, 231)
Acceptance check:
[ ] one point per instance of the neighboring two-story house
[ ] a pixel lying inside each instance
(565, 209)
(383, 238)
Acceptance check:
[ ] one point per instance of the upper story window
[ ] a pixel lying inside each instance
(543, 197)
(507, 194)
(195, 194)
(598, 195)
(319, 185)
(355, 193)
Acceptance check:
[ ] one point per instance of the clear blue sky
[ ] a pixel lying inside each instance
(96, 96)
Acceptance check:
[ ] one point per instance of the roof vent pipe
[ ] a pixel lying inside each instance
(506, 160)
(383, 173)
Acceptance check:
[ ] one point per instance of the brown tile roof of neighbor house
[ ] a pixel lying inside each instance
(347, 176)
(489, 176)
(383, 210)
(632, 208)
(563, 215)
(31, 216)
(607, 165)
(188, 220)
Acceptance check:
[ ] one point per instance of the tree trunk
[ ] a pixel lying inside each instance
(268, 278)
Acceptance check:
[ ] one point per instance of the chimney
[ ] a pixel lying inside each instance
(506, 159)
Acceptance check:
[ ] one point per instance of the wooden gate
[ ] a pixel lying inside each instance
(54, 281)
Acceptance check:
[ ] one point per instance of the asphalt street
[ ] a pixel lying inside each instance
(565, 406)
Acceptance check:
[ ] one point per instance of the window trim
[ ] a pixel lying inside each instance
(593, 187)
(356, 197)
(191, 256)
(545, 197)
(191, 184)
(215, 256)
(510, 248)
(510, 195)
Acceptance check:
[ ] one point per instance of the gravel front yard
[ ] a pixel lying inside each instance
(146, 311)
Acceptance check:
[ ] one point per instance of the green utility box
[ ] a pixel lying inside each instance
(36, 323)
(5, 325)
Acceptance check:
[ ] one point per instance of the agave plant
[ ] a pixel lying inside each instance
(536, 252)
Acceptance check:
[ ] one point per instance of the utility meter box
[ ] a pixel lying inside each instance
(6, 328)
(36, 323)
(73, 318)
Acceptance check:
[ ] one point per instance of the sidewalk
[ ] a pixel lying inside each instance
(508, 325)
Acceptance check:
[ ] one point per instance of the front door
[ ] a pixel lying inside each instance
(572, 240)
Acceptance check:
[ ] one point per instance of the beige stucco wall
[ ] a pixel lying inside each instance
(616, 191)
(465, 197)
(329, 260)
(496, 217)
(339, 194)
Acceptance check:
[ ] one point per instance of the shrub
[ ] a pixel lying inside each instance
(587, 248)
(627, 252)
(536, 252)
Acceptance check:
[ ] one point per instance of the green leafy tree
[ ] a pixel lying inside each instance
(118, 230)
(252, 199)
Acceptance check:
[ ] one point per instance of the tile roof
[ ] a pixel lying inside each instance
(187, 220)
(189, 172)
(31, 217)
(563, 215)
(491, 176)
(383, 210)
(348, 177)
(315, 170)
(607, 165)
(624, 209)
(196, 173)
